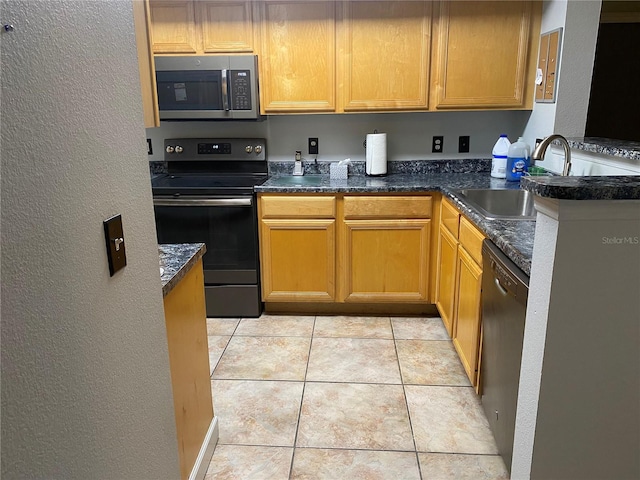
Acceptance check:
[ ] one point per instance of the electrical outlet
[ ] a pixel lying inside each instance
(313, 146)
(149, 147)
(437, 145)
(538, 142)
(463, 144)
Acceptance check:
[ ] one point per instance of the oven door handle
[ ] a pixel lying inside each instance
(203, 202)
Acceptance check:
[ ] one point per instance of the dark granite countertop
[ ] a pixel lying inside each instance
(585, 188)
(513, 237)
(177, 260)
(401, 182)
(607, 146)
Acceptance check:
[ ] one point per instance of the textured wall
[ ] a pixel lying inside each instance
(86, 390)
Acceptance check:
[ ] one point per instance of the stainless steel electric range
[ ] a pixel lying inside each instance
(207, 196)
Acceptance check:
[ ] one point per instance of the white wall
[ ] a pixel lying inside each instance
(86, 389)
(578, 406)
(409, 135)
(568, 116)
(542, 120)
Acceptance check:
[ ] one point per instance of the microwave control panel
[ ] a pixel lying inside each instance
(240, 90)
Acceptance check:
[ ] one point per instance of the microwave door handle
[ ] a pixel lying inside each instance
(225, 90)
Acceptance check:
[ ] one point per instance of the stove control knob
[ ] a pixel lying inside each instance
(179, 149)
(248, 149)
(258, 149)
(169, 149)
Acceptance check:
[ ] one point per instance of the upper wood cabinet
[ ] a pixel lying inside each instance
(385, 49)
(484, 54)
(297, 57)
(146, 65)
(173, 26)
(201, 27)
(324, 56)
(226, 26)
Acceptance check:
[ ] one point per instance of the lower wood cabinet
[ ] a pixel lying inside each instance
(298, 248)
(345, 248)
(459, 280)
(386, 260)
(186, 324)
(298, 260)
(466, 332)
(447, 268)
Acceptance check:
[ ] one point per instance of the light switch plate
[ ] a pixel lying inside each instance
(114, 237)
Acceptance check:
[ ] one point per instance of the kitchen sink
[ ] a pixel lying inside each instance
(500, 204)
(304, 180)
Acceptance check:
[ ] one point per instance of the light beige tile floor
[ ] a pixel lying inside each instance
(340, 397)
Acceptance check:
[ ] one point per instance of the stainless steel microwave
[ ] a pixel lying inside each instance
(208, 87)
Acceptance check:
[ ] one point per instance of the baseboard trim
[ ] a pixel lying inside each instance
(206, 451)
(397, 309)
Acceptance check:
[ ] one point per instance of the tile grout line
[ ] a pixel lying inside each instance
(223, 350)
(406, 402)
(304, 386)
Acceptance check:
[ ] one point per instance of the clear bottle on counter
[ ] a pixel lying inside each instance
(517, 160)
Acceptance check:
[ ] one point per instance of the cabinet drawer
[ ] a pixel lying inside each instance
(292, 206)
(387, 207)
(471, 239)
(450, 217)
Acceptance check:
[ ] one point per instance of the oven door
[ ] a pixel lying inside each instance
(228, 228)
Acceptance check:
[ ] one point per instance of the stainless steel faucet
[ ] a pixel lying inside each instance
(538, 153)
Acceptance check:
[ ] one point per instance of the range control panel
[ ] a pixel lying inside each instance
(190, 149)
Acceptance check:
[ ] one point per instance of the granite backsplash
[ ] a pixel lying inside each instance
(417, 167)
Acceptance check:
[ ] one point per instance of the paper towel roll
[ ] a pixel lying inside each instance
(376, 157)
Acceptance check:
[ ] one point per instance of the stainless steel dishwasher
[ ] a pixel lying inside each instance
(504, 302)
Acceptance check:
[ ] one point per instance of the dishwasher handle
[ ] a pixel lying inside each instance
(504, 281)
(509, 279)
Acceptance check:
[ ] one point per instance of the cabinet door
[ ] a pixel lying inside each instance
(297, 56)
(146, 65)
(386, 260)
(226, 26)
(466, 329)
(186, 325)
(173, 26)
(298, 260)
(385, 55)
(446, 278)
(482, 54)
